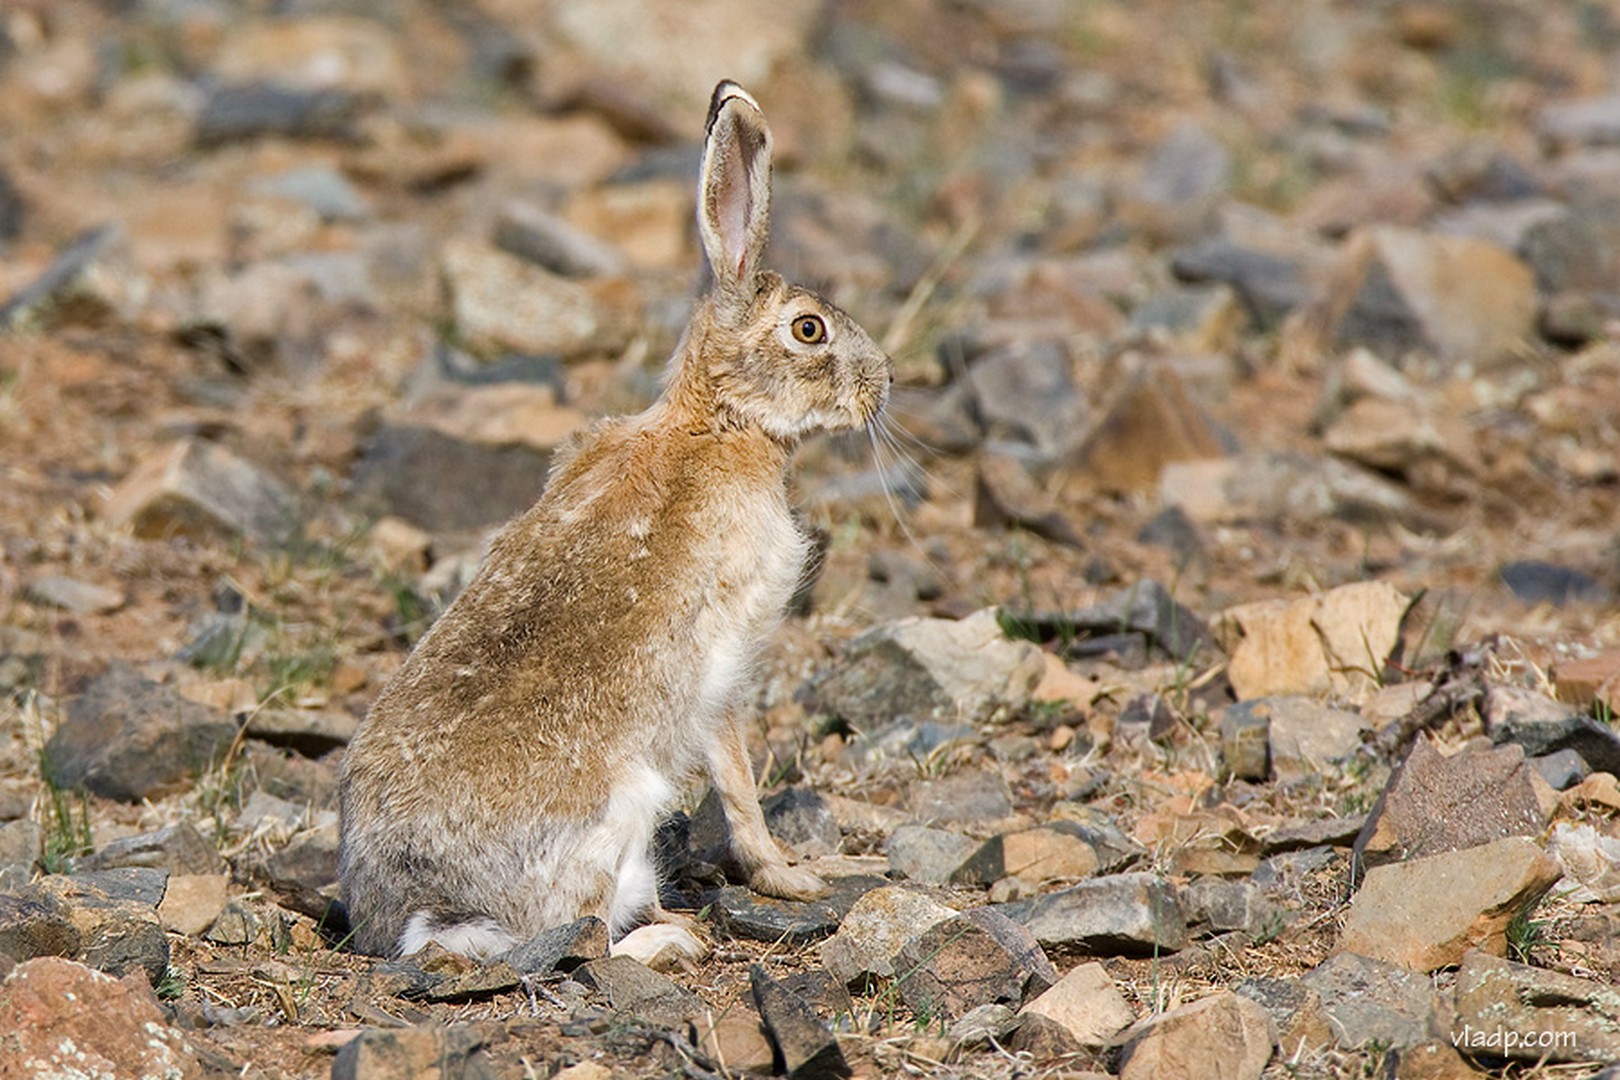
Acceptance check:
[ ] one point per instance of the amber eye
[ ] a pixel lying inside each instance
(809, 329)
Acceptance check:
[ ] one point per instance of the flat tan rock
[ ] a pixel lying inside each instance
(1337, 642)
(1087, 1003)
(1223, 1037)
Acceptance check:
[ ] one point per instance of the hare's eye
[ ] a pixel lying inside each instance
(809, 329)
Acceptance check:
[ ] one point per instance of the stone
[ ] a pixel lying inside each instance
(1295, 1010)
(1246, 741)
(1562, 769)
(36, 927)
(92, 282)
(1087, 1004)
(500, 302)
(13, 209)
(1223, 1035)
(1131, 914)
(1182, 180)
(241, 112)
(1336, 642)
(930, 668)
(638, 992)
(1307, 737)
(426, 1050)
(800, 818)
(1006, 495)
(1426, 912)
(877, 926)
(1429, 1061)
(1335, 831)
(976, 1027)
(116, 934)
(1590, 862)
(192, 902)
(748, 914)
(315, 52)
(60, 1018)
(128, 738)
(1193, 319)
(1269, 285)
(555, 244)
(805, 1046)
(1215, 906)
(322, 188)
(1435, 803)
(310, 732)
(1271, 486)
(1515, 1011)
(928, 855)
(238, 924)
(1027, 393)
(303, 873)
(1043, 1039)
(1463, 301)
(1534, 581)
(826, 995)
(735, 1041)
(177, 848)
(137, 884)
(22, 843)
(1051, 852)
(1144, 608)
(264, 314)
(198, 488)
(1587, 122)
(1574, 253)
(1589, 681)
(562, 948)
(1544, 725)
(75, 596)
(480, 983)
(445, 484)
(1369, 1001)
(1150, 424)
(1410, 439)
(969, 797)
(979, 957)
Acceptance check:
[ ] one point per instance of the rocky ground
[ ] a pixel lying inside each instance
(1212, 667)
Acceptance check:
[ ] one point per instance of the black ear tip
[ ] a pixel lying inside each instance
(724, 91)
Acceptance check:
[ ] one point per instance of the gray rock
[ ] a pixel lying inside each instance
(1246, 742)
(483, 981)
(1556, 1017)
(1269, 285)
(311, 732)
(1562, 769)
(1197, 318)
(1295, 1010)
(116, 934)
(1059, 850)
(1027, 393)
(446, 484)
(13, 209)
(21, 843)
(972, 796)
(980, 957)
(1307, 737)
(502, 303)
(1133, 914)
(638, 992)
(1592, 122)
(238, 924)
(872, 933)
(929, 668)
(91, 282)
(237, 112)
(530, 233)
(199, 488)
(71, 594)
(978, 1026)
(176, 849)
(800, 818)
(1215, 906)
(129, 738)
(745, 913)
(31, 927)
(304, 873)
(450, 1053)
(1339, 832)
(562, 948)
(1543, 725)
(321, 188)
(805, 1046)
(1145, 607)
(1434, 804)
(132, 884)
(1087, 1004)
(1367, 1001)
(928, 855)
(1533, 581)
(1225, 1035)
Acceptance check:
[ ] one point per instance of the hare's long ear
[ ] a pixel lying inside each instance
(734, 191)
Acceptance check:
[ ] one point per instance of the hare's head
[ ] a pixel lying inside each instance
(774, 354)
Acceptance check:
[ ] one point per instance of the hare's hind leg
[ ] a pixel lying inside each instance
(768, 870)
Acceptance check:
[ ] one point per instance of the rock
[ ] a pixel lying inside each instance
(137, 884)
(638, 992)
(311, 732)
(937, 668)
(805, 1047)
(1225, 1035)
(1424, 913)
(1149, 425)
(1006, 495)
(93, 282)
(1410, 439)
(1561, 769)
(871, 935)
(1368, 1001)
(177, 848)
(238, 924)
(980, 957)
(748, 914)
(22, 843)
(1144, 608)
(529, 232)
(1087, 1004)
(735, 1041)
(316, 52)
(1269, 285)
(1337, 642)
(970, 797)
(824, 993)
(73, 595)
(1027, 393)
(1543, 725)
(1590, 861)
(1337, 831)
(129, 738)
(116, 935)
(1515, 1011)
(800, 818)
(304, 873)
(1307, 737)
(1193, 319)
(239, 112)
(36, 927)
(1044, 853)
(1295, 1010)
(13, 209)
(1533, 581)
(199, 488)
(1182, 180)
(1591, 122)
(321, 188)
(1132, 914)
(928, 855)
(1574, 252)
(427, 1050)
(446, 484)
(265, 314)
(1278, 487)
(500, 302)
(192, 902)
(1434, 804)
(1461, 300)
(562, 948)
(1246, 741)
(1590, 681)
(1215, 906)
(480, 983)
(59, 1018)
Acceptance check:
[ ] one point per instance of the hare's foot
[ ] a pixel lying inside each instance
(786, 882)
(662, 946)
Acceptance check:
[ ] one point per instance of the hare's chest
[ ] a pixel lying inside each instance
(756, 572)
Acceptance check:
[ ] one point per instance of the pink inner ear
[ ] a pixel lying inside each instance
(732, 213)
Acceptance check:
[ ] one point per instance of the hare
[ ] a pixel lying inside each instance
(510, 776)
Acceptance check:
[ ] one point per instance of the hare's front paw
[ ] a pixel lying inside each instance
(788, 882)
(661, 946)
